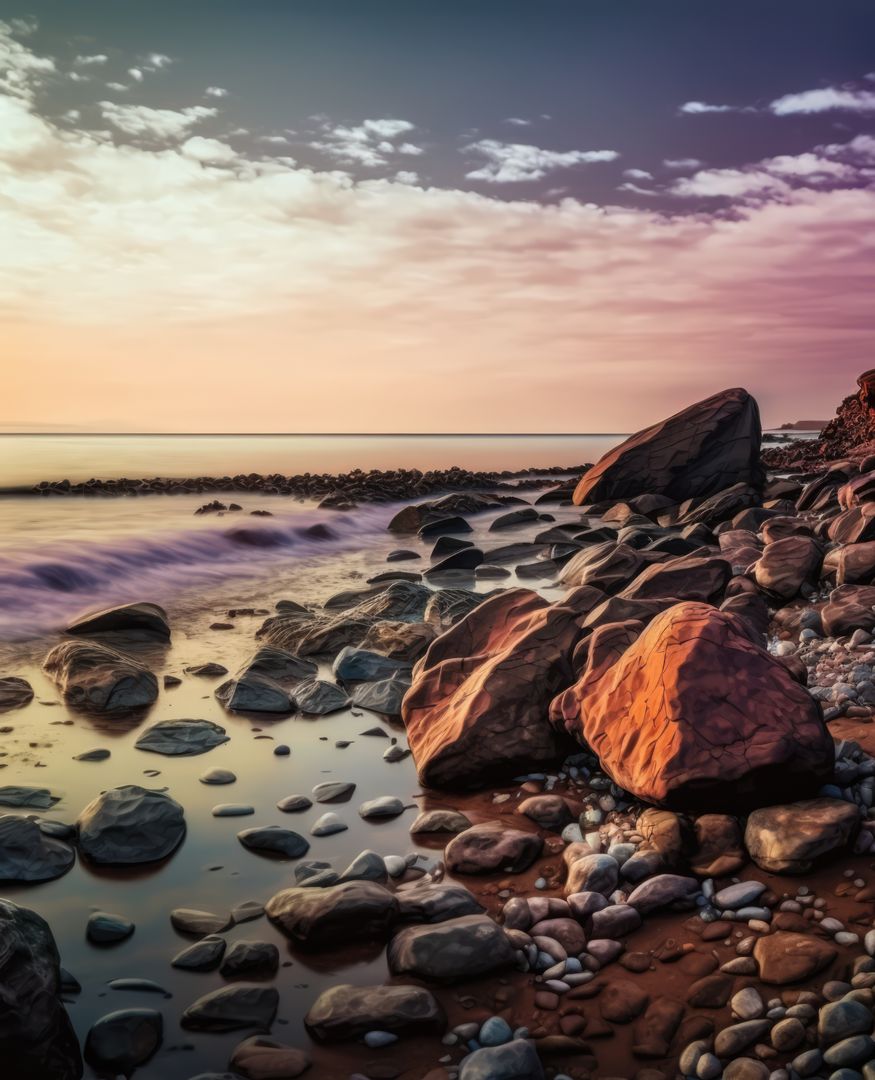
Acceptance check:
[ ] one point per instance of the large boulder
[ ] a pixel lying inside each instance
(849, 608)
(693, 715)
(14, 693)
(788, 564)
(129, 825)
(789, 839)
(695, 453)
(36, 1037)
(478, 704)
(349, 1012)
(141, 621)
(690, 577)
(92, 676)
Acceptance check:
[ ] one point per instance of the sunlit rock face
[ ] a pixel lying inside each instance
(477, 709)
(697, 452)
(691, 713)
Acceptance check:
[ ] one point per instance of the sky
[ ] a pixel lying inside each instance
(453, 216)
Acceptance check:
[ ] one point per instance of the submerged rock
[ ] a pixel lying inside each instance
(92, 676)
(135, 621)
(233, 1008)
(129, 825)
(348, 1012)
(262, 1058)
(182, 738)
(14, 693)
(120, 1041)
(272, 840)
(104, 928)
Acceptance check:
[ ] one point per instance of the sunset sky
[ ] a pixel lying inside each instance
(406, 215)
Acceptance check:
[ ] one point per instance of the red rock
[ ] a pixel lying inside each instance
(477, 709)
(849, 608)
(787, 958)
(853, 564)
(779, 528)
(697, 452)
(861, 489)
(693, 714)
(689, 577)
(489, 847)
(609, 566)
(854, 526)
(788, 564)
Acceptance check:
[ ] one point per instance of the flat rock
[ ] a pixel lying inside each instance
(129, 825)
(262, 1058)
(431, 902)
(348, 1012)
(210, 670)
(273, 840)
(182, 738)
(232, 809)
(250, 959)
(294, 804)
(193, 921)
(253, 691)
(14, 693)
(120, 1041)
(490, 847)
(448, 951)
(785, 957)
(789, 839)
(99, 753)
(233, 1008)
(204, 955)
(440, 820)
(27, 854)
(333, 791)
(23, 795)
(327, 825)
(318, 697)
(94, 677)
(333, 916)
(385, 806)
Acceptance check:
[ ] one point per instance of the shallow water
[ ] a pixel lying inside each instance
(211, 870)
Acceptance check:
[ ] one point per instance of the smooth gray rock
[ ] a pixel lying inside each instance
(348, 1012)
(333, 916)
(366, 866)
(318, 698)
(448, 951)
(27, 854)
(104, 928)
(232, 809)
(204, 955)
(182, 738)
(255, 692)
(363, 665)
(440, 820)
(385, 806)
(120, 1041)
(283, 667)
(327, 825)
(140, 621)
(517, 1060)
(294, 804)
(273, 840)
(99, 753)
(21, 795)
(217, 776)
(383, 697)
(129, 825)
(333, 791)
(663, 890)
(250, 959)
(843, 1018)
(233, 1008)
(94, 677)
(194, 921)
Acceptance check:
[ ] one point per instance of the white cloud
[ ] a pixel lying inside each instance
(216, 91)
(636, 189)
(90, 61)
(637, 174)
(827, 99)
(136, 74)
(729, 183)
(21, 70)
(405, 176)
(411, 149)
(162, 124)
(519, 121)
(155, 61)
(370, 143)
(208, 151)
(117, 86)
(682, 163)
(512, 163)
(810, 167)
(694, 108)
(860, 149)
(274, 140)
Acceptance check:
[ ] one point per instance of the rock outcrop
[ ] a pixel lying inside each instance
(695, 453)
(693, 714)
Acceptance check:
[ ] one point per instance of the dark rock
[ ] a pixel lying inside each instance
(250, 960)
(334, 916)
(143, 620)
(14, 693)
(789, 839)
(129, 825)
(120, 1041)
(273, 840)
(182, 738)
(456, 949)
(490, 847)
(349, 1012)
(92, 676)
(233, 1008)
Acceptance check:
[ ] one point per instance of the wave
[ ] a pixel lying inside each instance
(42, 589)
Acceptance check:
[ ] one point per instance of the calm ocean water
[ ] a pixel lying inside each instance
(27, 459)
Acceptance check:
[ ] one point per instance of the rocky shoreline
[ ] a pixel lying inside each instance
(645, 834)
